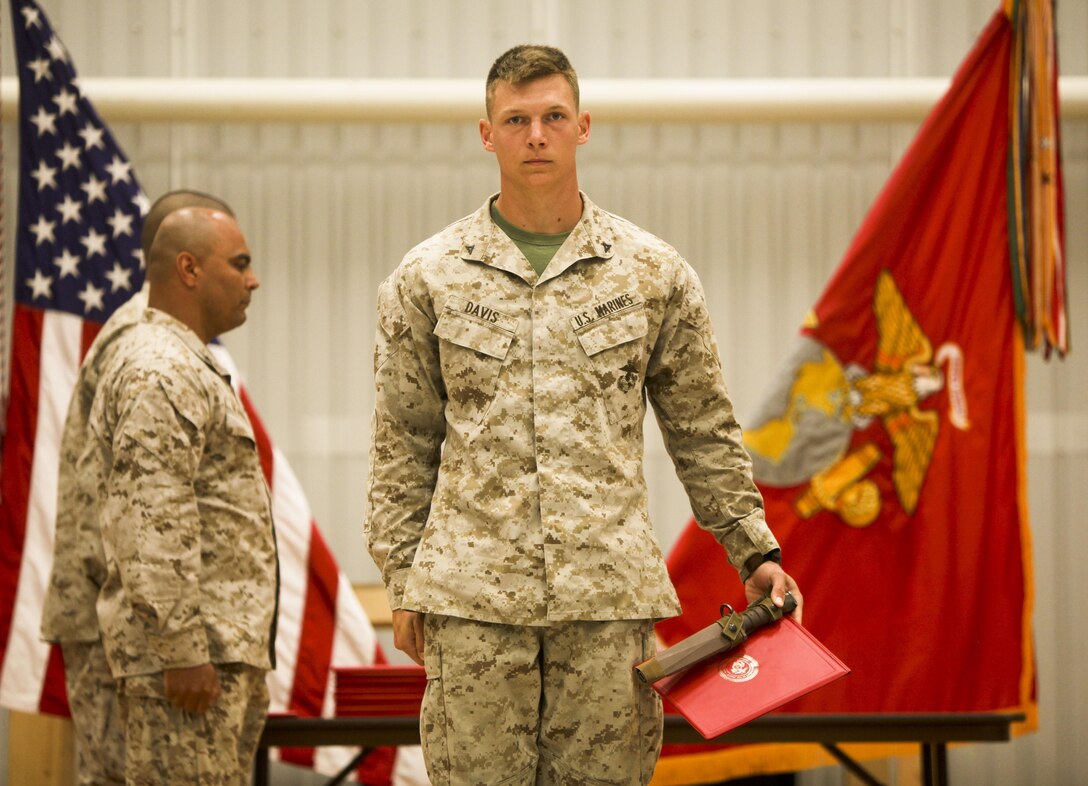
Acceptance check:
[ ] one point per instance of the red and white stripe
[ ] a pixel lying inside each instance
(321, 623)
(41, 384)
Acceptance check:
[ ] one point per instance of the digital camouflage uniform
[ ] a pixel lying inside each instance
(220, 753)
(79, 570)
(190, 550)
(506, 481)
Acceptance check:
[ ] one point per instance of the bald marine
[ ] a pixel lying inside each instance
(200, 271)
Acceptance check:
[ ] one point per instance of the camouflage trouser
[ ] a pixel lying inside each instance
(554, 705)
(167, 746)
(92, 697)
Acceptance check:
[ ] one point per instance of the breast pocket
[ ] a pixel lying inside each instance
(616, 348)
(472, 353)
(230, 461)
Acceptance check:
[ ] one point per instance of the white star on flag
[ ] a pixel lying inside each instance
(41, 285)
(65, 100)
(45, 121)
(40, 67)
(32, 17)
(120, 278)
(43, 230)
(142, 203)
(67, 263)
(94, 242)
(91, 297)
(56, 49)
(69, 209)
(119, 170)
(45, 175)
(92, 137)
(95, 188)
(69, 155)
(121, 222)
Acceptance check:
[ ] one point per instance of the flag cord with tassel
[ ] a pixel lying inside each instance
(1034, 179)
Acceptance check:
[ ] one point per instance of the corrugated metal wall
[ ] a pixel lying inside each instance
(763, 212)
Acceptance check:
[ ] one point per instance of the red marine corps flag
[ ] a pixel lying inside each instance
(890, 451)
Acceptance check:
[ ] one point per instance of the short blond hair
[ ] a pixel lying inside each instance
(526, 62)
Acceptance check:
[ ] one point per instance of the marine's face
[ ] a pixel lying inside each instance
(228, 279)
(534, 131)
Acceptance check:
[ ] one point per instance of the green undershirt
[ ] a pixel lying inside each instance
(537, 248)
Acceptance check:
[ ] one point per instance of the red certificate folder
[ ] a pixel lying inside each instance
(775, 665)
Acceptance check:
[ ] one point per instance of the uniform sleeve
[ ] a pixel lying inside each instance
(150, 519)
(407, 431)
(79, 564)
(686, 389)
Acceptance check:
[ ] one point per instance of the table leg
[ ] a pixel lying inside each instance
(350, 767)
(260, 767)
(934, 764)
(854, 768)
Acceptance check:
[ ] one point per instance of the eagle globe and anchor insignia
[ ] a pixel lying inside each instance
(740, 668)
(804, 431)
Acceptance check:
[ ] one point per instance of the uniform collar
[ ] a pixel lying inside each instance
(592, 239)
(190, 339)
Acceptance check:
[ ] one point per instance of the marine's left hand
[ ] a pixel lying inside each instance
(193, 689)
(770, 576)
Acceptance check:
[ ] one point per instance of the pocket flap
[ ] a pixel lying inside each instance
(465, 329)
(238, 425)
(607, 333)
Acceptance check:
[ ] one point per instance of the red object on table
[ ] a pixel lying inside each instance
(379, 690)
(775, 665)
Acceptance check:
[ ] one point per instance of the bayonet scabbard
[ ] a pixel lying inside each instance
(721, 636)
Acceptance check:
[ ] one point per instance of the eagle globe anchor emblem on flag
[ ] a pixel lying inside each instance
(805, 430)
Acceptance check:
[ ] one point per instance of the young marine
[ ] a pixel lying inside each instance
(516, 351)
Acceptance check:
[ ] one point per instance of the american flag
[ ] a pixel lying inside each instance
(78, 258)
